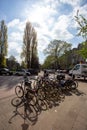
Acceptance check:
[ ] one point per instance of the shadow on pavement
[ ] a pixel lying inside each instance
(8, 82)
(67, 93)
(82, 80)
(31, 112)
(25, 112)
(78, 92)
(25, 126)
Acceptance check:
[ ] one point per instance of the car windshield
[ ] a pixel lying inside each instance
(5, 69)
(85, 66)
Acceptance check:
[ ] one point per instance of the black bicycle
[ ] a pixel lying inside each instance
(33, 93)
(69, 84)
(29, 110)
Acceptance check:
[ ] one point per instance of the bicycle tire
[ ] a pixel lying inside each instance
(76, 82)
(73, 85)
(60, 93)
(41, 93)
(31, 113)
(19, 91)
(16, 101)
(31, 97)
(42, 105)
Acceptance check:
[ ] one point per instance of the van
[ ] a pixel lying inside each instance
(79, 70)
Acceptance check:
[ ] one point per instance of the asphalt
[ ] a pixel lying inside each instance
(69, 114)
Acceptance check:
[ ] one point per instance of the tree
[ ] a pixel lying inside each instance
(83, 51)
(49, 62)
(82, 22)
(34, 54)
(0, 37)
(56, 49)
(3, 43)
(26, 43)
(12, 64)
(23, 65)
(29, 51)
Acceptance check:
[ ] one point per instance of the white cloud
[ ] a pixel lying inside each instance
(48, 23)
(60, 29)
(14, 48)
(82, 11)
(71, 2)
(43, 41)
(14, 45)
(63, 22)
(13, 23)
(16, 25)
(15, 36)
(40, 13)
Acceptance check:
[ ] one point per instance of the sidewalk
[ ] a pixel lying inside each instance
(5, 93)
(71, 114)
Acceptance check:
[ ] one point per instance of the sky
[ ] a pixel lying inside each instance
(52, 19)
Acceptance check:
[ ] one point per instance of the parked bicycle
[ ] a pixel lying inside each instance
(68, 83)
(29, 110)
(36, 93)
(25, 91)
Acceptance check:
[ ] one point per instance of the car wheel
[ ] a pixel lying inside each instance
(7, 74)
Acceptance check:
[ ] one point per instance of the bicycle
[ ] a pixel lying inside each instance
(33, 95)
(66, 84)
(29, 110)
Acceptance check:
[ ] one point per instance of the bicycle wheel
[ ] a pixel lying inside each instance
(16, 101)
(41, 94)
(73, 85)
(31, 114)
(19, 91)
(42, 105)
(76, 82)
(60, 93)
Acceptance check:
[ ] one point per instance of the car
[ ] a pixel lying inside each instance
(79, 70)
(33, 71)
(22, 72)
(50, 71)
(5, 71)
(62, 71)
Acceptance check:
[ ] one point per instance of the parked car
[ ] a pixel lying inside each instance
(50, 70)
(79, 70)
(33, 71)
(61, 71)
(5, 71)
(22, 72)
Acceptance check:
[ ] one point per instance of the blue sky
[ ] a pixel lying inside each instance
(52, 19)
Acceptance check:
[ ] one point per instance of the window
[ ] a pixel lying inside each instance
(76, 67)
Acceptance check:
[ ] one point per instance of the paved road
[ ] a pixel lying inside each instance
(70, 114)
(8, 83)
